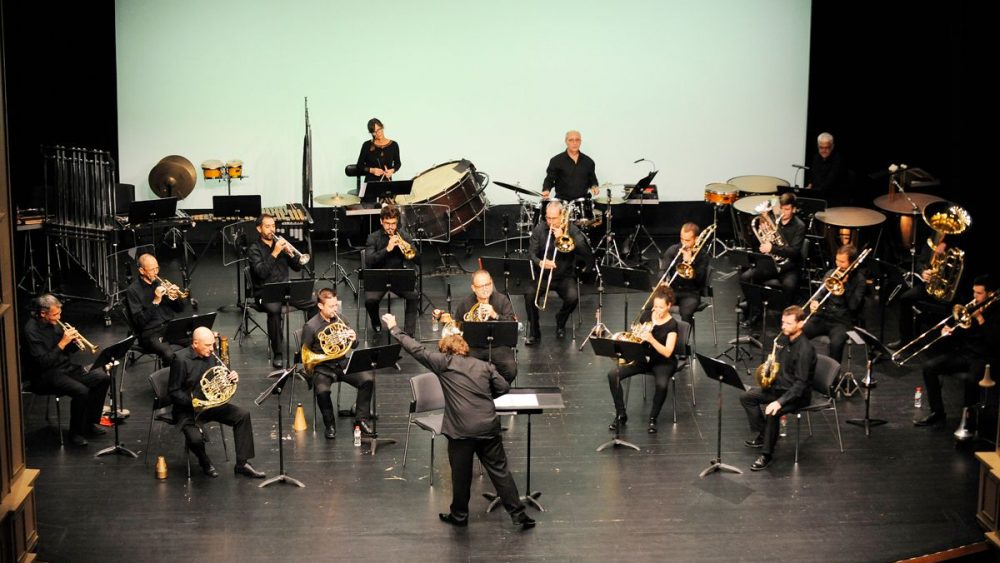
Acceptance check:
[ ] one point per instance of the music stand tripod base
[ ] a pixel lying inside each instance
(717, 465)
(529, 499)
(616, 441)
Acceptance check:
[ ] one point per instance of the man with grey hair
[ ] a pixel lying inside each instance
(49, 348)
(826, 170)
(570, 173)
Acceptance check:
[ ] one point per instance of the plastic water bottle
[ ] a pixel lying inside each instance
(918, 396)
(784, 425)
(357, 436)
(435, 325)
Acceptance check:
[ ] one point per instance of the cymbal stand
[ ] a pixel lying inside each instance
(339, 273)
(911, 276)
(640, 228)
(608, 240)
(599, 329)
(715, 234)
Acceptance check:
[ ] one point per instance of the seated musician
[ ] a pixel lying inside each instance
(270, 258)
(660, 341)
(185, 385)
(151, 305)
(784, 270)
(49, 348)
(390, 248)
(326, 373)
(791, 390)
(966, 351)
(838, 312)
(917, 294)
(559, 266)
(487, 304)
(687, 292)
(570, 173)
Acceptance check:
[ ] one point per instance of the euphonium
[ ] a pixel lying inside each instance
(766, 230)
(336, 339)
(477, 314)
(686, 268)
(215, 386)
(80, 341)
(767, 372)
(405, 247)
(174, 291)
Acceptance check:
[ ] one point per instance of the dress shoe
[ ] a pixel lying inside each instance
(931, 419)
(525, 522)
(331, 432)
(757, 442)
(895, 344)
(560, 333)
(366, 428)
(530, 340)
(210, 470)
(276, 361)
(94, 430)
(77, 440)
(449, 519)
(652, 426)
(762, 461)
(249, 471)
(749, 322)
(618, 422)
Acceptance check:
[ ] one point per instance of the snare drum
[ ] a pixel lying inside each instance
(234, 168)
(758, 184)
(583, 214)
(454, 185)
(212, 169)
(721, 194)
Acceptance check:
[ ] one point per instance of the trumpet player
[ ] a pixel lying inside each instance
(687, 292)
(784, 270)
(185, 378)
(485, 303)
(839, 312)
(271, 258)
(967, 353)
(391, 248)
(561, 266)
(326, 373)
(47, 362)
(151, 305)
(791, 390)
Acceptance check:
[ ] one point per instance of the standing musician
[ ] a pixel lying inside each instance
(271, 257)
(793, 232)
(390, 248)
(379, 157)
(790, 391)
(826, 172)
(151, 305)
(976, 347)
(839, 312)
(570, 173)
(470, 422)
(562, 268)
(324, 374)
(50, 345)
(487, 304)
(914, 296)
(660, 340)
(687, 292)
(185, 377)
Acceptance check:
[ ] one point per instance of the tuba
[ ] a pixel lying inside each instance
(215, 386)
(477, 314)
(767, 372)
(336, 339)
(945, 218)
(766, 230)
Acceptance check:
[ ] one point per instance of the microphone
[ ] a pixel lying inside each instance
(800, 167)
(638, 161)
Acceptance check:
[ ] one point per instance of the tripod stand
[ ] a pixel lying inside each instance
(608, 240)
(715, 235)
(275, 389)
(640, 229)
(109, 359)
(339, 273)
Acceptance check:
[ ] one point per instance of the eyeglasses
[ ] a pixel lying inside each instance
(483, 286)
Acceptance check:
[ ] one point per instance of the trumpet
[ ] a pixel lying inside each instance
(835, 283)
(766, 230)
(563, 243)
(404, 247)
(960, 314)
(292, 251)
(80, 341)
(174, 291)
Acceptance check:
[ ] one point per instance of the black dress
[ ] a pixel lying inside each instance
(373, 156)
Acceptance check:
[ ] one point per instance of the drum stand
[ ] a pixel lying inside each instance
(640, 228)
(339, 273)
(609, 244)
(715, 234)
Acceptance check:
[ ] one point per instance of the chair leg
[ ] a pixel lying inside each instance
(673, 395)
(798, 435)
(314, 414)
(187, 458)
(149, 434)
(715, 327)
(432, 459)
(406, 443)
(58, 421)
(836, 420)
(222, 432)
(810, 423)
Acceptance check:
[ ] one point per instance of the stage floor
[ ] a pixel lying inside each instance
(902, 491)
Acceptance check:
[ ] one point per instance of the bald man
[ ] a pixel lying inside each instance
(150, 309)
(495, 306)
(570, 173)
(185, 377)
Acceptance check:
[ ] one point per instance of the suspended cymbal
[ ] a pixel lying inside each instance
(173, 176)
(337, 200)
(517, 189)
(603, 200)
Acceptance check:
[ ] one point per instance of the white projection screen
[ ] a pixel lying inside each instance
(706, 90)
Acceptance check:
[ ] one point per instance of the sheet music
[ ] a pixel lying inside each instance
(511, 401)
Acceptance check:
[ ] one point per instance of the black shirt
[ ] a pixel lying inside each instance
(695, 284)
(312, 328)
(500, 303)
(265, 268)
(798, 367)
(565, 261)
(827, 174)
(979, 340)
(185, 377)
(376, 255)
(144, 314)
(379, 157)
(43, 346)
(794, 235)
(660, 334)
(845, 308)
(570, 179)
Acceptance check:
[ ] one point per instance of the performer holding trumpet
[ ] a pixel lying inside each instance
(836, 313)
(389, 248)
(152, 302)
(691, 266)
(483, 305)
(49, 346)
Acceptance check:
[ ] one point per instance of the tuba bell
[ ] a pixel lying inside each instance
(945, 218)
(336, 339)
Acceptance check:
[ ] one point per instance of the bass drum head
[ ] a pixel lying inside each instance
(434, 180)
(454, 185)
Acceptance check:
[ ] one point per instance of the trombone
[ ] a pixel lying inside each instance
(292, 251)
(174, 292)
(80, 341)
(563, 243)
(835, 283)
(961, 314)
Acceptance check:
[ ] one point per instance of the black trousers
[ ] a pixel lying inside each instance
(567, 291)
(766, 427)
(503, 359)
(275, 328)
(150, 341)
(86, 390)
(324, 377)
(687, 302)
(412, 298)
(913, 296)
(494, 459)
(832, 327)
(661, 375)
(764, 272)
(228, 414)
(971, 369)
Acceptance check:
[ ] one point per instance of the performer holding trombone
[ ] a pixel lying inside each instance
(152, 302)
(844, 295)
(555, 248)
(50, 343)
(687, 267)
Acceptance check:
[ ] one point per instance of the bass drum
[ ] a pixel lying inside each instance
(454, 185)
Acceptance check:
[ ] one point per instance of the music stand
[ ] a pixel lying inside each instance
(151, 210)
(508, 268)
(627, 278)
(108, 359)
(724, 373)
(240, 207)
(372, 359)
(490, 333)
(875, 351)
(287, 292)
(619, 350)
(640, 228)
(234, 235)
(372, 192)
(393, 281)
(180, 330)
(276, 389)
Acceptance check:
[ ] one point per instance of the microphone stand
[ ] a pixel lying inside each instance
(912, 274)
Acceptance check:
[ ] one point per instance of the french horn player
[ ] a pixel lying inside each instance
(486, 304)
(186, 372)
(326, 340)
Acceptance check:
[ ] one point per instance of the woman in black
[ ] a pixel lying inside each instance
(660, 360)
(379, 157)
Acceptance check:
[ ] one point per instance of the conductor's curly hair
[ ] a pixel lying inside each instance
(454, 344)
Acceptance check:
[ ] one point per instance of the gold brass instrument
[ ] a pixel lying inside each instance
(292, 251)
(686, 268)
(336, 339)
(835, 283)
(477, 314)
(766, 230)
(960, 314)
(563, 243)
(81, 342)
(635, 333)
(174, 291)
(767, 372)
(945, 218)
(404, 247)
(215, 386)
